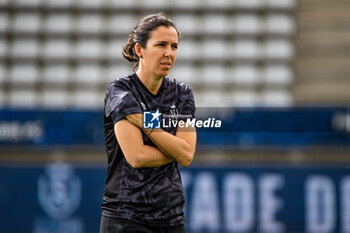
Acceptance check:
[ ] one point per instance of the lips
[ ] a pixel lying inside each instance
(166, 65)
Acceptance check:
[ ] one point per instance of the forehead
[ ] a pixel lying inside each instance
(163, 33)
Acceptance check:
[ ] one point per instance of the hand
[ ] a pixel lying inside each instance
(136, 119)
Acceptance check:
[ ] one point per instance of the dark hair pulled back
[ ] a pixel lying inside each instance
(141, 34)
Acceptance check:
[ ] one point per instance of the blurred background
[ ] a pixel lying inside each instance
(277, 72)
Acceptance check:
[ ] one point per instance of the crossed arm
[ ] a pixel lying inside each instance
(179, 147)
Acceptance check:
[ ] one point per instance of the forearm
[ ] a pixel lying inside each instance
(173, 146)
(181, 146)
(152, 157)
(135, 151)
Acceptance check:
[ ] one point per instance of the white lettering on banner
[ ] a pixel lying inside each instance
(270, 203)
(205, 204)
(186, 178)
(242, 211)
(345, 206)
(238, 197)
(320, 204)
(48, 225)
(15, 131)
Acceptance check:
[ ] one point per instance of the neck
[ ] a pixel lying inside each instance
(151, 83)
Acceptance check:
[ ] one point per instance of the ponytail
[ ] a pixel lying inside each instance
(129, 51)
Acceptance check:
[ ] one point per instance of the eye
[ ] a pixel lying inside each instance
(161, 44)
(175, 46)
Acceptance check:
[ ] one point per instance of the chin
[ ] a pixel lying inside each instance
(164, 73)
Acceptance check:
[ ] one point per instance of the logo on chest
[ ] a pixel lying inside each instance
(173, 113)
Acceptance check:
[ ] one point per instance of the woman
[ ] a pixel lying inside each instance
(143, 190)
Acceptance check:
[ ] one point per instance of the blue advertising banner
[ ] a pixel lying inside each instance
(65, 198)
(218, 128)
(44, 128)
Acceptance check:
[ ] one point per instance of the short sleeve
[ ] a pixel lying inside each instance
(189, 108)
(120, 102)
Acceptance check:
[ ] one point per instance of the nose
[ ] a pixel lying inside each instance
(168, 51)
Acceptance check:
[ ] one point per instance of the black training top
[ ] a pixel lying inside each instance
(152, 196)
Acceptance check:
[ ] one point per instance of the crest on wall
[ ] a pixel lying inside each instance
(59, 191)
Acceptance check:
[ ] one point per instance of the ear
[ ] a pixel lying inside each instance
(138, 50)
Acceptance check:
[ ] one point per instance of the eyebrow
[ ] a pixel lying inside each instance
(164, 41)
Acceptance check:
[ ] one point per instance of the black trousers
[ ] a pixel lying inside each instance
(115, 225)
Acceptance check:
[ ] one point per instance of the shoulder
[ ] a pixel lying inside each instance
(120, 82)
(181, 87)
(121, 88)
(123, 84)
(120, 92)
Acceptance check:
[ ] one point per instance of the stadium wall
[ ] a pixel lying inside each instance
(65, 197)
